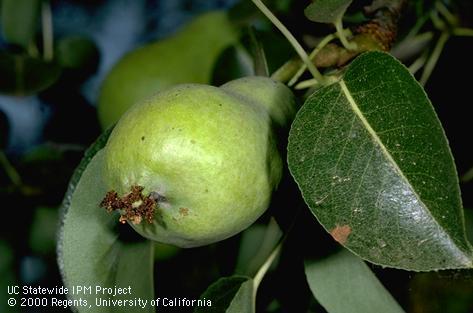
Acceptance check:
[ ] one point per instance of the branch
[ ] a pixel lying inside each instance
(379, 33)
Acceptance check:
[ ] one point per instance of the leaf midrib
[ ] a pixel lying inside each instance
(387, 154)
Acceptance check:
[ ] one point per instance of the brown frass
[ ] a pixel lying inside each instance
(133, 207)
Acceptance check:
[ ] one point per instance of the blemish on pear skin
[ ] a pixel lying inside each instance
(340, 233)
(133, 207)
(184, 211)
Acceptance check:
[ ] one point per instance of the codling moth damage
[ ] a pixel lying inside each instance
(132, 207)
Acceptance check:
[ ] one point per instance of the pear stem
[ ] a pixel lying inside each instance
(292, 40)
(264, 268)
(418, 63)
(342, 36)
(462, 31)
(430, 65)
(326, 40)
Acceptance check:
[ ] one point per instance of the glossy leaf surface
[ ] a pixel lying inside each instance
(373, 163)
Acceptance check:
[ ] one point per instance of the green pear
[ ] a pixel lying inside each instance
(186, 57)
(196, 164)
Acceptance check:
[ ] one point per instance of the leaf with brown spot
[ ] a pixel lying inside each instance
(369, 151)
(341, 233)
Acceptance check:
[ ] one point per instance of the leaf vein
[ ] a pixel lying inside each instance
(389, 157)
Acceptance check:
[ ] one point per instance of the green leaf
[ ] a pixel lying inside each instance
(19, 20)
(257, 244)
(66, 202)
(244, 300)
(88, 155)
(259, 55)
(373, 163)
(92, 254)
(22, 75)
(229, 294)
(276, 48)
(326, 11)
(344, 283)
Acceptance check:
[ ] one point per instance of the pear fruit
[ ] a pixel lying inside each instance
(196, 164)
(185, 57)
